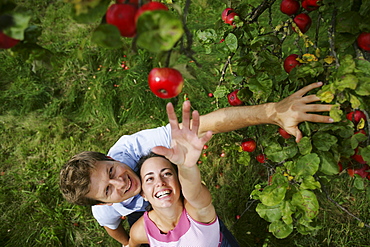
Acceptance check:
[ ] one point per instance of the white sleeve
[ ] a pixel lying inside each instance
(106, 216)
(130, 148)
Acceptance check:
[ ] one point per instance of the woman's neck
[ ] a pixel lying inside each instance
(166, 219)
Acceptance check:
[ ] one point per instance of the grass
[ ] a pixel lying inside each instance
(87, 101)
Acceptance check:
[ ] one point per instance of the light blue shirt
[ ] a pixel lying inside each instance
(128, 150)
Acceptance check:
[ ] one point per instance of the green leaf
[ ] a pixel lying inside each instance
(357, 139)
(20, 21)
(363, 87)
(326, 93)
(346, 81)
(306, 201)
(307, 165)
(365, 152)
(274, 194)
(232, 42)
(158, 30)
(244, 158)
(348, 22)
(355, 102)
(274, 152)
(347, 65)
(328, 164)
(92, 13)
(305, 146)
(309, 183)
(363, 66)
(287, 210)
(221, 91)
(323, 141)
(280, 230)
(305, 226)
(344, 40)
(359, 182)
(207, 36)
(260, 85)
(185, 70)
(107, 36)
(269, 213)
(336, 113)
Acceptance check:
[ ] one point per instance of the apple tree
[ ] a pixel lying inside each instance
(270, 49)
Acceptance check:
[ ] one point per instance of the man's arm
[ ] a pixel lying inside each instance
(287, 114)
(118, 234)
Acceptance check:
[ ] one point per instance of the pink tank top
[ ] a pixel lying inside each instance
(187, 233)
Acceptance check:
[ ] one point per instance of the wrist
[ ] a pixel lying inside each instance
(272, 114)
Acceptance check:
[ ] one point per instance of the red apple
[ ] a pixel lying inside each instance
(261, 158)
(233, 98)
(248, 145)
(284, 134)
(289, 7)
(7, 42)
(363, 41)
(165, 82)
(311, 5)
(361, 131)
(123, 17)
(340, 167)
(291, 62)
(362, 171)
(357, 157)
(230, 18)
(355, 116)
(225, 13)
(150, 7)
(303, 22)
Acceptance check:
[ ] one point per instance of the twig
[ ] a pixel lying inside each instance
(331, 36)
(247, 206)
(317, 29)
(226, 65)
(260, 9)
(337, 204)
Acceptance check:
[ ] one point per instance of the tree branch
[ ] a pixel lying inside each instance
(338, 205)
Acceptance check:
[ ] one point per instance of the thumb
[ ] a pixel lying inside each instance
(298, 135)
(163, 151)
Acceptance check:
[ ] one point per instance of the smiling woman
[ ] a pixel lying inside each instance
(182, 211)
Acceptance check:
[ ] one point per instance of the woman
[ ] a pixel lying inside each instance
(183, 213)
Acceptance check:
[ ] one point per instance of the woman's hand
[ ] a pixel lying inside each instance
(186, 146)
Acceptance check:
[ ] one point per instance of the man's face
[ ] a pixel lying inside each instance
(113, 181)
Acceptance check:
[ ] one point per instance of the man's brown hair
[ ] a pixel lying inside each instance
(75, 177)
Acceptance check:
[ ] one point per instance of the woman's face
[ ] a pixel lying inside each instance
(160, 183)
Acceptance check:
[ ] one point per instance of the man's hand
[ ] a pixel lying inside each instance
(295, 109)
(186, 146)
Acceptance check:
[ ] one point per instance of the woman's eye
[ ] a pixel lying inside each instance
(149, 179)
(167, 174)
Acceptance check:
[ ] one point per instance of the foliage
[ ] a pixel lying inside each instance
(74, 84)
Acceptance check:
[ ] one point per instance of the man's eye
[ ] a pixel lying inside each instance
(149, 179)
(110, 172)
(107, 191)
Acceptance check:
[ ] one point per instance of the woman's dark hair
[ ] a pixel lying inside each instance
(148, 156)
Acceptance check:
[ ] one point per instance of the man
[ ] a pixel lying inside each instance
(110, 185)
